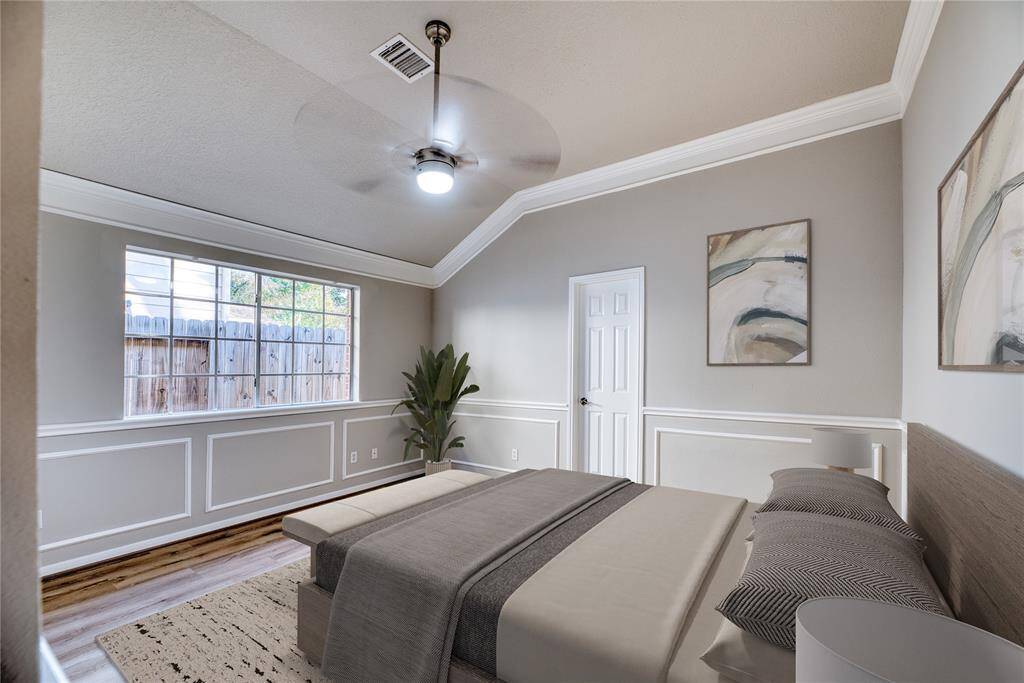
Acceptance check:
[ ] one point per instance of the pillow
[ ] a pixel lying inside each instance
(837, 494)
(798, 556)
(745, 658)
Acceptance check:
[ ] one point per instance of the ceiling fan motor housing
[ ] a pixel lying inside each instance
(433, 154)
(435, 170)
(438, 32)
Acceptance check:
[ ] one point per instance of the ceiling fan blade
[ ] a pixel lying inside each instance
(364, 135)
(368, 185)
(539, 162)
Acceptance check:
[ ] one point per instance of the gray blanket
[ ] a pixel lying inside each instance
(395, 618)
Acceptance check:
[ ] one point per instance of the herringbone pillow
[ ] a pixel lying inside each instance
(837, 494)
(798, 556)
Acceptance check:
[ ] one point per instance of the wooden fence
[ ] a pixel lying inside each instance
(232, 355)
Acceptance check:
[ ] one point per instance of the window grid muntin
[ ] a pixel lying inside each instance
(345, 377)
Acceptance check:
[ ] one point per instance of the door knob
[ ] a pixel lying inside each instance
(584, 401)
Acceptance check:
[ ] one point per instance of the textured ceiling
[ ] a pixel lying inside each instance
(208, 104)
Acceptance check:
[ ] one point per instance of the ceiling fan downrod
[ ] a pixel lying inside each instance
(435, 168)
(438, 33)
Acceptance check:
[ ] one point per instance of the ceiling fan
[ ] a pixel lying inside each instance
(370, 135)
(435, 168)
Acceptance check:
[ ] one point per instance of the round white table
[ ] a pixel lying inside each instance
(850, 640)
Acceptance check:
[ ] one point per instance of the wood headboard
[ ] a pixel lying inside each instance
(971, 513)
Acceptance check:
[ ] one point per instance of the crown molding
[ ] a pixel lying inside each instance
(922, 17)
(844, 114)
(70, 196)
(67, 195)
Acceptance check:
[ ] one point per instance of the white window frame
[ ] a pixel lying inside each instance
(215, 413)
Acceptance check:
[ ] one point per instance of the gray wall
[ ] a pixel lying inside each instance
(509, 306)
(509, 309)
(81, 324)
(117, 487)
(19, 108)
(975, 50)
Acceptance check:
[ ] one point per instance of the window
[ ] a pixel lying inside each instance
(201, 336)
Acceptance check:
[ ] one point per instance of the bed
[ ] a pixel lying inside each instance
(623, 580)
(618, 583)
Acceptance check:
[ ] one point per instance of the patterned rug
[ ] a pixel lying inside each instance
(242, 633)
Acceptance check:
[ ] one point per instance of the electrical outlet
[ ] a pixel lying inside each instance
(353, 457)
(373, 454)
(40, 519)
(515, 455)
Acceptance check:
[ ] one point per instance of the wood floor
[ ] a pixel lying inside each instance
(90, 582)
(81, 605)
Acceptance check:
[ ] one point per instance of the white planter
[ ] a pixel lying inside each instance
(435, 467)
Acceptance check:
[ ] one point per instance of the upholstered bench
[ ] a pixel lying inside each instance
(312, 525)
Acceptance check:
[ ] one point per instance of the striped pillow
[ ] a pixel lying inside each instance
(837, 494)
(798, 556)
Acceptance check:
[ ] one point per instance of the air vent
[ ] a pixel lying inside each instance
(402, 57)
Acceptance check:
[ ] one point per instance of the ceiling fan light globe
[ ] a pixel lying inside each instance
(435, 177)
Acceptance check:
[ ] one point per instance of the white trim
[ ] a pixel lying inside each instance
(877, 449)
(145, 544)
(187, 453)
(67, 195)
(344, 447)
(904, 476)
(918, 28)
(78, 198)
(384, 467)
(514, 418)
(837, 116)
(851, 421)
(575, 283)
(877, 452)
(174, 420)
(466, 463)
(522, 405)
(210, 507)
(50, 670)
(844, 114)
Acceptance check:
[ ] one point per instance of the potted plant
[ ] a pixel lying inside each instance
(434, 390)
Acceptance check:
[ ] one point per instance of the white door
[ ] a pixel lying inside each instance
(607, 340)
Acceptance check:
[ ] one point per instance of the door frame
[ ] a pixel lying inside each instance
(576, 284)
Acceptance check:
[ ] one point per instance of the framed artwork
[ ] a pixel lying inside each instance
(981, 244)
(759, 295)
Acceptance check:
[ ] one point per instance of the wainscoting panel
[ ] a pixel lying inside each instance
(492, 437)
(386, 433)
(140, 485)
(247, 466)
(737, 457)
(109, 492)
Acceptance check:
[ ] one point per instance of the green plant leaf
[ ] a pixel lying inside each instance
(434, 388)
(443, 392)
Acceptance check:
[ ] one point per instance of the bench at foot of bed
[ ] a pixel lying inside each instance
(316, 524)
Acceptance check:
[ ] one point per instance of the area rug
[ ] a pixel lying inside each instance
(242, 633)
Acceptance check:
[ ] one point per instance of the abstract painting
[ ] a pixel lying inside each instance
(981, 244)
(759, 295)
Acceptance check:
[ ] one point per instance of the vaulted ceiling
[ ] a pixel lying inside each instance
(275, 113)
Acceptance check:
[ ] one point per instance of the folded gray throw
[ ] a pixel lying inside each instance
(395, 618)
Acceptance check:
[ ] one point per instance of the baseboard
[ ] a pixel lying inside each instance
(155, 542)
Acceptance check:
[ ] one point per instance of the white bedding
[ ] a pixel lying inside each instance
(615, 605)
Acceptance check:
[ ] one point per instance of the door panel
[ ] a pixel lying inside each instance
(607, 399)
